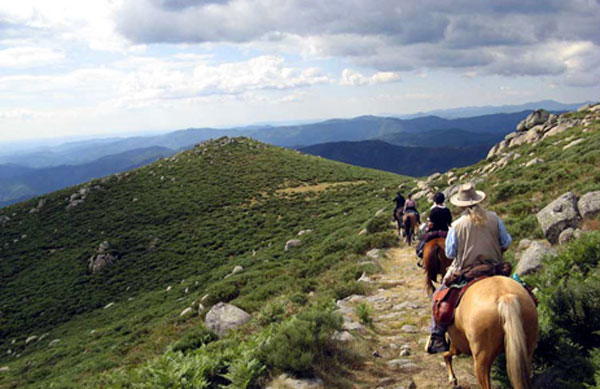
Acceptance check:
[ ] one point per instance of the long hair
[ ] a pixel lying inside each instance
(478, 214)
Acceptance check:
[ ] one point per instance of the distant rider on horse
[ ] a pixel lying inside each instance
(399, 200)
(439, 221)
(411, 206)
(478, 237)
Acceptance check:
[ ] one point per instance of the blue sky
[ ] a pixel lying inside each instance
(100, 67)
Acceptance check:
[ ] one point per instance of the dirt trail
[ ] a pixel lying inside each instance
(401, 313)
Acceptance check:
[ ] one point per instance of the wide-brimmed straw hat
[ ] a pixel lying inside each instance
(467, 196)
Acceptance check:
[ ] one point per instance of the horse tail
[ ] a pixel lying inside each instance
(407, 226)
(515, 342)
(432, 266)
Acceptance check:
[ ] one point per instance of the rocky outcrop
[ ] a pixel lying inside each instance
(540, 124)
(224, 317)
(589, 204)
(532, 259)
(104, 256)
(559, 215)
(39, 206)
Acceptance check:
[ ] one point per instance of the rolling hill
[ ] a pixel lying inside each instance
(174, 230)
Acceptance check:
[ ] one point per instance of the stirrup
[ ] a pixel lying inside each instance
(437, 344)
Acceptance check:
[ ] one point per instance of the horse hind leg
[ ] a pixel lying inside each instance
(483, 365)
(451, 376)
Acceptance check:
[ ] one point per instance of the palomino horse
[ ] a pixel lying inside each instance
(495, 314)
(434, 261)
(410, 226)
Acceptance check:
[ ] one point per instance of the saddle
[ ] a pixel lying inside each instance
(445, 301)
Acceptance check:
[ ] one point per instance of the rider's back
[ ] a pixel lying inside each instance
(477, 243)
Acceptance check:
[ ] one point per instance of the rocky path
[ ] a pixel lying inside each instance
(401, 311)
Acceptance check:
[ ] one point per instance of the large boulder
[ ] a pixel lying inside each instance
(104, 256)
(224, 317)
(559, 215)
(531, 259)
(539, 116)
(589, 204)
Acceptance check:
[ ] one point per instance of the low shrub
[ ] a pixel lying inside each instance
(304, 341)
(363, 310)
(195, 338)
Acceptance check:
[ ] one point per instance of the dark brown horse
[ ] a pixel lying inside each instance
(434, 261)
(410, 226)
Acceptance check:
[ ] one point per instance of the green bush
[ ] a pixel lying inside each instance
(300, 343)
(363, 310)
(195, 338)
(272, 312)
(344, 289)
(379, 223)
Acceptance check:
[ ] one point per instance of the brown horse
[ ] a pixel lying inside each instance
(398, 213)
(495, 314)
(434, 261)
(410, 226)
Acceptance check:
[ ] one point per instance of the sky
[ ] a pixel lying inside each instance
(104, 67)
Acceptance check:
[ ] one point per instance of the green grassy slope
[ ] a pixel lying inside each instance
(182, 222)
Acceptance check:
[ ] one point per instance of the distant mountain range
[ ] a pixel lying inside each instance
(20, 183)
(461, 141)
(453, 113)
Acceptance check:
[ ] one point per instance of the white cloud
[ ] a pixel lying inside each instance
(160, 81)
(353, 78)
(28, 57)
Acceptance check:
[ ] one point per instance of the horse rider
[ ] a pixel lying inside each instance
(440, 219)
(478, 237)
(399, 200)
(411, 206)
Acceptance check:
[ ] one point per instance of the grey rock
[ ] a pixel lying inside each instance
(408, 328)
(109, 305)
(224, 317)
(566, 236)
(353, 326)
(523, 244)
(559, 128)
(535, 161)
(405, 352)
(4, 369)
(292, 243)
(532, 258)
(559, 215)
(589, 204)
(575, 142)
(584, 107)
(54, 342)
(538, 116)
(283, 381)
(403, 364)
(186, 311)
(30, 339)
(373, 253)
(363, 231)
(102, 258)
(302, 232)
(380, 212)
(343, 336)
(237, 269)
